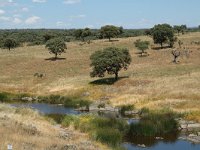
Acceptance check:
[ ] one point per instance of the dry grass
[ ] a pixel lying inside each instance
(153, 82)
(27, 130)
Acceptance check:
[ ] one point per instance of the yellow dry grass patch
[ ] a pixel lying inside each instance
(152, 81)
(26, 129)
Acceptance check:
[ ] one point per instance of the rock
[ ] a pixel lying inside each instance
(198, 133)
(86, 94)
(69, 147)
(183, 126)
(64, 135)
(83, 109)
(134, 112)
(29, 99)
(192, 135)
(159, 138)
(195, 139)
(141, 145)
(194, 125)
(60, 104)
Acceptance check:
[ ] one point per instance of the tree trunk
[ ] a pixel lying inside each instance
(116, 76)
(161, 44)
(56, 55)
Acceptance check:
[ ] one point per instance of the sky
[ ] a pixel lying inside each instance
(67, 14)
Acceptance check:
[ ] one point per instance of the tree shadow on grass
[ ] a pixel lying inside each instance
(107, 81)
(160, 48)
(55, 59)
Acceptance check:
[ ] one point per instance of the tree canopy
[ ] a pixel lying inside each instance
(110, 31)
(56, 46)
(82, 33)
(142, 45)
(163, 33)
(110, 60)
(10, 43)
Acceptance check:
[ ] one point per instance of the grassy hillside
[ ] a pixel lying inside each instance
(152, 81)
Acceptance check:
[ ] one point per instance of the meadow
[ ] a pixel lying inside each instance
(154, 81)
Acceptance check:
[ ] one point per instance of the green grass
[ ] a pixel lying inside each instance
(106, 130)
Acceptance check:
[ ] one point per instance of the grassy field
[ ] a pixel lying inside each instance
(152, 81)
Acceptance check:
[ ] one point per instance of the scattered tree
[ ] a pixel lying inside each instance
(176, 54)
(10, 43)
(110, 60)
(142, 45)
(82, 33)
(56, 46)
(163, 33)
(110, 31)
(180, 29)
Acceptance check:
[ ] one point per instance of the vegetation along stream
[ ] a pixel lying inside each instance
(153, 131)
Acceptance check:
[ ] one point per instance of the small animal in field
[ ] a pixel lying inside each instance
(39, 75)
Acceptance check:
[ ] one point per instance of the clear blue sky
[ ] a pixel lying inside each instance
(96, 13)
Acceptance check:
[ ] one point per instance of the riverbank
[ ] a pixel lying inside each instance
(26, 129)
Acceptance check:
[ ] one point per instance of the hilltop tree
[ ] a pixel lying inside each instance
(163, 33)
(110, 31)
(142, 45)
(56, 46)
(110, 60)
(10, 43)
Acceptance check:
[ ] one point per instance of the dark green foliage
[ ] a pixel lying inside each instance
(163, 33)
(110, 60)
(10, 43)
(3, 97)
(110, 31)
(142, 45)
(56, 46)
(76, 102)
(124, 108)
(82, 33)
(154, 124)
(47, 36)
(102, 105)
